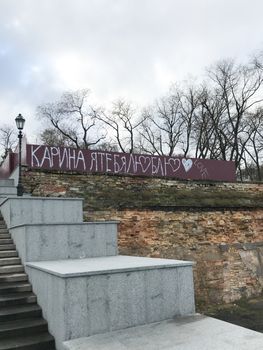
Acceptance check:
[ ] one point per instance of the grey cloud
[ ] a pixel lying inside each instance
(122, 47)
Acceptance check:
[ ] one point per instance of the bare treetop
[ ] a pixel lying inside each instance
(75, 118)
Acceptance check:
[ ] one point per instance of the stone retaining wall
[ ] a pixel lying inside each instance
(217, 225)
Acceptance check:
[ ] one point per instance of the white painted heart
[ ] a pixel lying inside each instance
(145, 163)
(187, 164)
(174, 164)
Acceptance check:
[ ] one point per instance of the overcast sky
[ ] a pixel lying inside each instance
(116, 48)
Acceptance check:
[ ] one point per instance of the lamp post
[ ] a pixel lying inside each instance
(20, 122)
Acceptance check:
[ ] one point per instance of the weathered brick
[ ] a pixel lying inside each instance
(217, 225)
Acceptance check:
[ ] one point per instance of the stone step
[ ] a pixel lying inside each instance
(7, 182)
(13, 277)
(5, 235)
(7, 247)
(22, 327)
(110, 293)
(3, 230)
(21, 298)
(12, 313)
(5, 241)
(9, 261)
(11, 269)
(65, 241)
(30, 210)
(15, 287)
(42, 341)
(8, 254)
(8, 190)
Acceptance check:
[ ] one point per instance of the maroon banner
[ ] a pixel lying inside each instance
(80, 160)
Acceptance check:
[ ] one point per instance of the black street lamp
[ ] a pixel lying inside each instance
(20, 122)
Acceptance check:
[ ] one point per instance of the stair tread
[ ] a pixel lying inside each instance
(7, 261)
(21, 298)
(6, 268)
(12, 275)
(16, 265)
(5, 285)
(8, 254)
(16, 342)
(7, 247)
(16, 309)
(13, 296)
(22, 323)
(8, 250)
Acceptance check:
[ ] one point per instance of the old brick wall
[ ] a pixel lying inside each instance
(217, 225)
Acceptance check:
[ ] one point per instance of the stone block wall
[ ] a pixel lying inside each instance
(217, 225)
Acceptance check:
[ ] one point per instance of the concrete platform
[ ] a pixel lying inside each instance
(187, 333)
(84, 297)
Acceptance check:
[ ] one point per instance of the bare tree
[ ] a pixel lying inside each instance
(254, 146)
(74, 118)
(123, 124)
(219, 119)
(239, 88)
(8, 139)
(150, 136)
(210, 126)
(162, 126)
(53, 137)
(190, 109)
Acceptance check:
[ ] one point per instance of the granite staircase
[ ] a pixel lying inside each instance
(82, 285)
(22, 326)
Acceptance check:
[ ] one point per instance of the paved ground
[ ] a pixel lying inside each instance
(187, 333)
(246, 313)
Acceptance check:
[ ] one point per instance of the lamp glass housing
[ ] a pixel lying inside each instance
(20, 122)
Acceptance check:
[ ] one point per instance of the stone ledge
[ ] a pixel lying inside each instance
(101, 222)
(104, 265)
